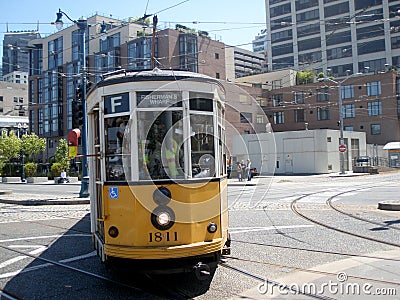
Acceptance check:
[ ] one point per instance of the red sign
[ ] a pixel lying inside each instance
(342, 148)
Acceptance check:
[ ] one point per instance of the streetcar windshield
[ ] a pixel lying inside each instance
(160, 149)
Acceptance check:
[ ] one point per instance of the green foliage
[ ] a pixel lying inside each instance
(140, 20)
(32, 144)
(10, 146)
(56, 169)
(61, 155)
(321, 75)
(305, 77)
(30, 169)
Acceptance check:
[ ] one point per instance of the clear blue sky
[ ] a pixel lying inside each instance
(240, 21)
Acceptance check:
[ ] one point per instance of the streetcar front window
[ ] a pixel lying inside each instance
(160, 149)
(117, 149)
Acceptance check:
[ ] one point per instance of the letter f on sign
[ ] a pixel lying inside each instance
(115, 101)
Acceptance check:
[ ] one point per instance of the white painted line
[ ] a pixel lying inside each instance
(45, 237)
(15, 273)
(253, 229)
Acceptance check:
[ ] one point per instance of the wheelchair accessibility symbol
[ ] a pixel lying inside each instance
(113, 192)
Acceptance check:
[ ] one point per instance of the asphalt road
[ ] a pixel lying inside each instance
(269, 241)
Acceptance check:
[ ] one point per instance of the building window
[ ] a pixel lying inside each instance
(348, 128)
(1, 98)
(260, 119)
(347, 91)
(323, 94)
(217, 75)
(188, 52)
(216, 55)
(375, 108)
(323, 113)
(245, 117)
(139, 53)
(16, 99)
(277, 100)
(279, 117)
(349, 111)
(299, 115)
(375, 129)
(371, 47)
(373, 88)
(298, 97)
(277, 84)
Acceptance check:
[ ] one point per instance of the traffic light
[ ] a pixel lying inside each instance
(78, 93)
(77, 114)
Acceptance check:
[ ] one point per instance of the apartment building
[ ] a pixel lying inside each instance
(15, 52)
(55, 66)
(341, 36)
(371, 104)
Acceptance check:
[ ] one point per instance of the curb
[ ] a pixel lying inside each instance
(36, 202)
(389, 205)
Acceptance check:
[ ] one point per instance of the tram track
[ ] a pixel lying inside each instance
(295, 209)
(170, 293)
(281, 285)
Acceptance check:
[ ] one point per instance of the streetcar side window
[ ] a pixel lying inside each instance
(116, 147)
(160, 149)
(202, 145)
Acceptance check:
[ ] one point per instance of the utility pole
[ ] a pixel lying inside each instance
(153, 42)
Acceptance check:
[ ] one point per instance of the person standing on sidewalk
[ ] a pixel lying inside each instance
(248, 167)
(239, 171)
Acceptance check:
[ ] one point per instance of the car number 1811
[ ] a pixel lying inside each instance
(163, 236)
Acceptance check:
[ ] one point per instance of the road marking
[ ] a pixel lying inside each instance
(15, 273)
(253, 229)
(33, 220)
(45, 237)
(38, 249)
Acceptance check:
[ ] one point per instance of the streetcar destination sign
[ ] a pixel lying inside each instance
(117, 103)
(159, 99)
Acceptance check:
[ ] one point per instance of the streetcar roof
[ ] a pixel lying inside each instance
(156, 74)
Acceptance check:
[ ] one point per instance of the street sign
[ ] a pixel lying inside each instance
(342, 148)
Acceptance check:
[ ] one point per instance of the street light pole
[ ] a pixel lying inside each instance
(83, 27)
(341, 125)
(341, 140)
(84, 192)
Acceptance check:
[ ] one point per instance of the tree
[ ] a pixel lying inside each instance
(32, 144)
(10, 147)
(305, 77)
(61, 155)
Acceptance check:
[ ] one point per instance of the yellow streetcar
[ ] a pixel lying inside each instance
(158, 182)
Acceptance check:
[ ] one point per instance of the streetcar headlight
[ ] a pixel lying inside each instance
(163, 217)
(212, 227)
(113, 231)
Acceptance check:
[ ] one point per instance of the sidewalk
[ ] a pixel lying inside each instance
(9, 197)
(338, 279)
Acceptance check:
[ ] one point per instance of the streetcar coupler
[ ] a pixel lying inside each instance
(202, 271)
